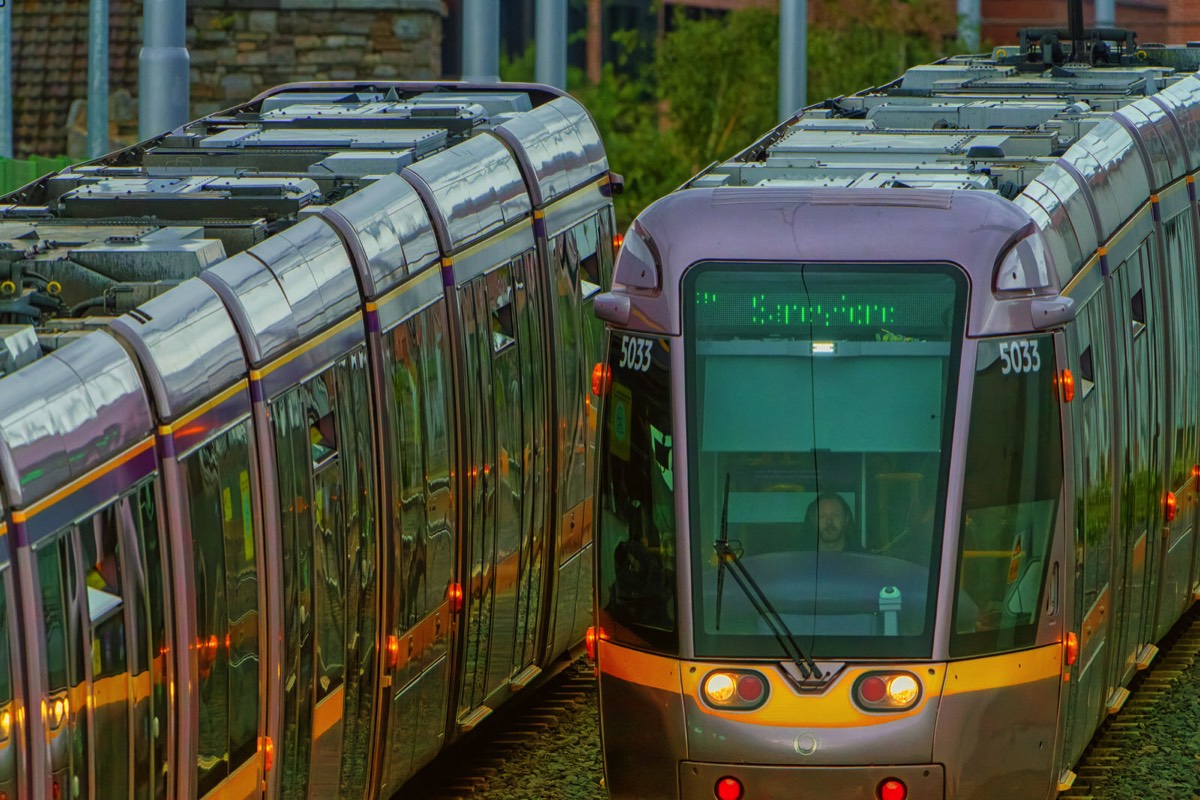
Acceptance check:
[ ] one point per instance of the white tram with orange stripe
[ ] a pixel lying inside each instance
(295, 440)
(899, 435)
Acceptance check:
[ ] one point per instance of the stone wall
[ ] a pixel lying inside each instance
(238, 48)
(241, 47)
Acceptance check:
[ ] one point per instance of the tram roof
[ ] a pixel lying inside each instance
(990, 122)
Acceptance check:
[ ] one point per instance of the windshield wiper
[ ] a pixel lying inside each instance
(726, 556)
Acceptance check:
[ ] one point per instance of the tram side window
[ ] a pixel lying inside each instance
(433, 343)
(570, 250)
(409, 487)
(65, 677)
(637, 502)
(329, 533)
(1011, 490)
(1095, 388)
(225, 581)
(101, 558)
(1185, 380)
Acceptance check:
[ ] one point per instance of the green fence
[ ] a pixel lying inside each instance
(16, 172)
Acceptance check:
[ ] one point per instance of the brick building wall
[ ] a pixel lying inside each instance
(237, 49)
(1152, 19)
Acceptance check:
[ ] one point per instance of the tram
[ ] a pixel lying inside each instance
(295, 440)
(899, 435)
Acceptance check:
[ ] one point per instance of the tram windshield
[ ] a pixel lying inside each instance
(824, 396)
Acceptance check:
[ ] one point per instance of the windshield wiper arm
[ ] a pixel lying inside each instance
(726, 556)
(722, 547)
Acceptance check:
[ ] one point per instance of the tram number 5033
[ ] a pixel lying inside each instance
(635, 353)
(1020, 355)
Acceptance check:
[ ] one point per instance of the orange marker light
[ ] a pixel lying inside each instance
(1196, 471)
(393, 651)
(618, 240)
(455, 594)
(601, 379)
(1072, 649)
(268, 750)
(590, 643)
(1066, 382)
(1172, 506)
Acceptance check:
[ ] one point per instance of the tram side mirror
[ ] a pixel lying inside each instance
(1051, 313)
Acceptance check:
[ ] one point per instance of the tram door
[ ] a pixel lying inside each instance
(505, 446)
(1141, 484)
(326, 495)
(1089, 353)
(98, 583)
(581, 262)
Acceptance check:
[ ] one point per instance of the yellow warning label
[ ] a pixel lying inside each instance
(227, 503)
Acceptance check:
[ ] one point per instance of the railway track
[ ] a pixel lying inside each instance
(543, 747)
(1115, 765)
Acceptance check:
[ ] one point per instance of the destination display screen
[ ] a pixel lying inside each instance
(824, 304)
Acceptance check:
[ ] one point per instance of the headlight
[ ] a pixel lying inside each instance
(740, 690)
(887, 691)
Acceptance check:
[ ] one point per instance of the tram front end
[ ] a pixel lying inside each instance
(830, 516)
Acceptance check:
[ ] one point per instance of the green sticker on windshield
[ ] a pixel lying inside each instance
(618, 421)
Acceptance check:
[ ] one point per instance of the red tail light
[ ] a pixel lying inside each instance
(455, 594)
(892, 789)
(1172, 506)
(729, 789)
(590, 643)
(1072, 649)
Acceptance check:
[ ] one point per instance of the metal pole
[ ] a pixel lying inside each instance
(481, 41)
(97, 107)
(551, 42)
(793, 56)
(1106, 14)
(968, 24)
(163, 79)
(6, 81)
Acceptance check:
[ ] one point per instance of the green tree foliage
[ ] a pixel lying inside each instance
(708, 89)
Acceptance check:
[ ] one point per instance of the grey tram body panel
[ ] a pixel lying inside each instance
(236, 407)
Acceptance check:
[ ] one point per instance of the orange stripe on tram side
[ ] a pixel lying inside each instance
(243, 784)
(328, 712)
(636, 667)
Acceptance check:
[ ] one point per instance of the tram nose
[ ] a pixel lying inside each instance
(868, 734)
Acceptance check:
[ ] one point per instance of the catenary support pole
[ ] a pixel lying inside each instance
(793, 56)
(481, 41)
(968, 24)
(97, 107)
(1106, 14)
(6, 81)
(551, 42)
(163, 65)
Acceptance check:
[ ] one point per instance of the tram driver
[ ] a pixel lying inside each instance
(829, 517)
